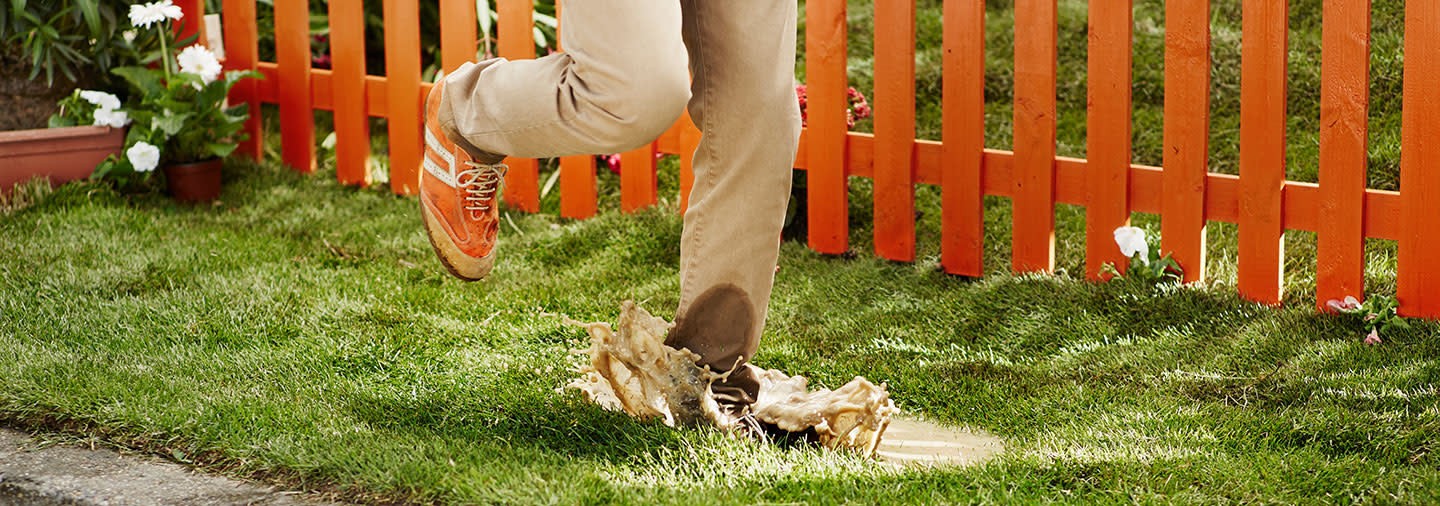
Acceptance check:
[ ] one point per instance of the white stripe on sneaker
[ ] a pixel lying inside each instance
(440, 173)
(435, 145)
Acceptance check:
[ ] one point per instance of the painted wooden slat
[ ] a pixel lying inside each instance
(292, 54)
(347, 84)
(578, 194)
(1418, 274)
(1033, 238)
(689, 140)
(516, 42)
(242, 53)
(577, 186)
(1186, 134)
(457, 33)
(962, 237)
(827, 199)
(637, 179)
(193, 20)
(403, 95)
(1344, 113)
(1107, 203)
(895, 129)
(1263, 49)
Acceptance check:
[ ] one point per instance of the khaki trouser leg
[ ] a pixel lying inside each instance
(621, 82)
(742, 57)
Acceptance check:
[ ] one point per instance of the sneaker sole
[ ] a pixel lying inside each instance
(460, 265)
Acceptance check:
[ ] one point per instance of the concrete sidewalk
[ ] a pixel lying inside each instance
(61, 475)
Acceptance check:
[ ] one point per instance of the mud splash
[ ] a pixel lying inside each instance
(630, 369)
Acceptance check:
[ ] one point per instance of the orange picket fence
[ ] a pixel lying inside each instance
(1339, 209)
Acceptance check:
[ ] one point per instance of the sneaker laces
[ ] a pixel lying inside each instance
(481, 182)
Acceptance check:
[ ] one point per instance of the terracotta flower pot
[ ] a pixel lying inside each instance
(61, 154)
(195, 182)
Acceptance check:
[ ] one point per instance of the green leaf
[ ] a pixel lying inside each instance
(220, 150)
(90, 10)
(170, 122)
(146, 81)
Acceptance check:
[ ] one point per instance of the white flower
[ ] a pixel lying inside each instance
(143, 156)
(111, 117)
(199, 61)
(1132, 241)
(100, 98)
(154, 12)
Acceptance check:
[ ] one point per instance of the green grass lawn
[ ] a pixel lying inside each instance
(301, 332)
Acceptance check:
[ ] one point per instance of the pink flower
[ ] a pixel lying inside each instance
(862, 111)
(1371, 317)
(1350, 304)
(1373, 338)
(612, 162)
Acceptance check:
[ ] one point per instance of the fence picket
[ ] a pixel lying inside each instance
(1418, 275)
(895, 129)
(242, 53)
(962, 237)
(402, 92)
(1187, 135)
(638, 184)
(347, 81)
(578, 193)
(1107, 202)
(516, 41)
(1033, 239)
(292, 53)
(827, 204)
(193, 21)
(1263, 49)
(457, 33)
(1344, 113)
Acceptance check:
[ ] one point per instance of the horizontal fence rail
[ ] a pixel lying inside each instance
(1339, 209)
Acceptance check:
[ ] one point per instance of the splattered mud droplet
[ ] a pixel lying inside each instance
(630, 369)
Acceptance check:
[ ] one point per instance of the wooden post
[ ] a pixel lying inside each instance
(292, 55)
(827, 203)
(1187, 135)
(1418, 275)
(895, 129)
(242, 53)
(1033, 240)
(1344, 134)
(347, 82)
(1264, 46)
(1107, 202)
(962, 241)
(522, 183)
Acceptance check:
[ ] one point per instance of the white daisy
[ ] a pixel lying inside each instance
(144, 15)
(200, 61)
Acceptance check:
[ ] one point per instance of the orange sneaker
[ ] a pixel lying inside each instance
(459, 199)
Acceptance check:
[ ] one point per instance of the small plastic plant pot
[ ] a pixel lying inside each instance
(195, 182)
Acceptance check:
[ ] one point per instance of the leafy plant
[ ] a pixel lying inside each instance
(179, 116)
(1146, 262)
(1378, 313)
(71, 37)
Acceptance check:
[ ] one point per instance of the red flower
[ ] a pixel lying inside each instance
(611, 162)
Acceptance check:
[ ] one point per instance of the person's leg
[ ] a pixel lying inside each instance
(620, 83)
(742, 57)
